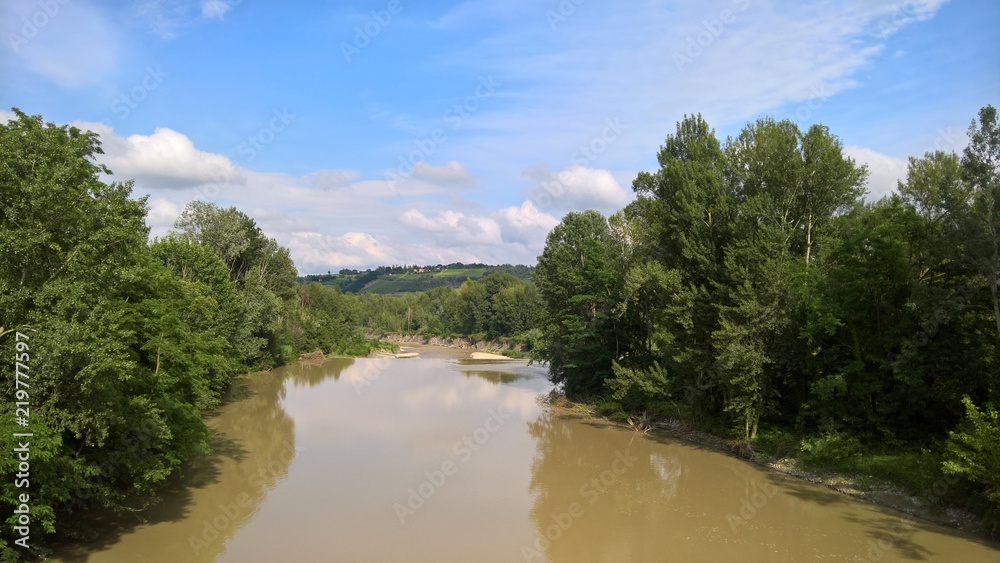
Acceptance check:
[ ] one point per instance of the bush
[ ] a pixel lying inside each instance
(610, 409)
(831, 450)
(973, 452)
(777, 442)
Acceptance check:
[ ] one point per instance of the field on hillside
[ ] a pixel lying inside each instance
(412, 281)
(396, 279)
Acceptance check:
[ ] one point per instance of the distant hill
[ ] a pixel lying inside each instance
(409, 279)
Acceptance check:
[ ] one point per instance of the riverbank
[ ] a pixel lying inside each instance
(882, 492)
(437, 352)
(499, 346)
(927, 505)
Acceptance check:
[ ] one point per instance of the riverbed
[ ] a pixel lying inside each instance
(440, 458)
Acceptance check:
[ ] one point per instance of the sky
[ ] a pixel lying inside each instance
(386, 132)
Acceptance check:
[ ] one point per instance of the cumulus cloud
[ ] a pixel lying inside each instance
(164, 160)
(884, 171)
(455, 226)
(315, 252)
(161, 216)
(577, 188)
(525, 224)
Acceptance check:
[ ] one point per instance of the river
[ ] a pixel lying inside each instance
(438, 459)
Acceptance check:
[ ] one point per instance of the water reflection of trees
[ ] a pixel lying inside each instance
(253, 446)
(493, 376)
(265, 435)
(623, 522)
(312, 373)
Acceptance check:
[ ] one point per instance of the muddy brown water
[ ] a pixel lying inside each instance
(436, 459)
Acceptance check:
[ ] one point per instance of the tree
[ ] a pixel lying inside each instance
(981, 169)
(70, 247)
(683, 219)
(261, 269)
(576, 281)
(129, 341)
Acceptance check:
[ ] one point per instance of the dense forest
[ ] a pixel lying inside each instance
(751, 288)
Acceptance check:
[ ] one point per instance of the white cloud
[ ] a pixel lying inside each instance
(169, 18)
(330, 179)
(315, 252)
(214, 9)
(452, 173)
(454, 226)
(771, 55)
(883, 170)
(577, 188)
(161, 216)
(165, 159)
(525, 224)
(894, 16)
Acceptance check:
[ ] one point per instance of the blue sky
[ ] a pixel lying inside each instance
(381, 132)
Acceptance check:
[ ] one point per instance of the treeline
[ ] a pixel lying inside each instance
(406, 279)
(128, 341)
(750, 284)
(493, 306)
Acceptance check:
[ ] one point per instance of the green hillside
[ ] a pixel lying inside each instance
(387, 280)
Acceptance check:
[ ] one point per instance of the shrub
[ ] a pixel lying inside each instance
(973, 452)
(832, 449)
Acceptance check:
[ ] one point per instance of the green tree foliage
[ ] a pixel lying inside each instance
(981, 171)
(494, 306)
(974, 453)
(755, 283)
(261, 269)
(70, 248)
(328, 321)
(129, 341)
(575, 278)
